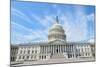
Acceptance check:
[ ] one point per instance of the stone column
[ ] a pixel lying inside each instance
(46, 49)
(43, 49)
(62, 49)
(58, 48)
(53, 49)
(65, 48)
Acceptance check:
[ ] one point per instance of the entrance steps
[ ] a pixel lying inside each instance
(56, 56)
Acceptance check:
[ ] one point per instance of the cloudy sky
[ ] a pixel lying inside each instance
(31, 21)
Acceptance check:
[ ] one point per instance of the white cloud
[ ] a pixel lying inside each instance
(91, 40)
(33, 35)
(20, 38)
(75, 28)
(91, 17)
(45, 21)
(21, 27)
(20, 15)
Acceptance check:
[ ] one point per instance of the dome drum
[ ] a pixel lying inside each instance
(55, 37)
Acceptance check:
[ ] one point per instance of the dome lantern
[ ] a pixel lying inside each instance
(57, 19)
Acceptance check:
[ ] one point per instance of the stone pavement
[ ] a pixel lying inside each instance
(53, 61)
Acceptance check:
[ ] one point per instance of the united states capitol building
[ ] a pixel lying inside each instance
(56, 47)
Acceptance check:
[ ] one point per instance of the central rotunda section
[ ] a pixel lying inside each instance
(56, 32)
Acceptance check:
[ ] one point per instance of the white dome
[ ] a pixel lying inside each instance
(56, 26)
(56, 32)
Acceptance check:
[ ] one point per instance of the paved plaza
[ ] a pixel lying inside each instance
(52, 61)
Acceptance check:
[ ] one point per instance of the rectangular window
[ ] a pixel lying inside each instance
(21, 52)
(40, 57)
(45, 57)
(24, 51)
(31, 57)
(32, 51)
(35, 51)
(28, 51)
(35, 57)
(23, 57)
(27, 57)
(19, 57)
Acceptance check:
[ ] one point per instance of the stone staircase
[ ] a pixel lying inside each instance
(56, 56)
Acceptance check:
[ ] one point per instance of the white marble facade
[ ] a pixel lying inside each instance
(45, 52)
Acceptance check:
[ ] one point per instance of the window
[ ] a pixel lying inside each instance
(82, 49)
(85, 49)
(45, 57)
(79, 54)
(21, 52)
(27, 57)
(19, 57)
(42, 57)
(86, 54)
(11, 59)
(35, 51)
(34, 56)
(32, 51)
(69, 55)
(31, 57)
(79, 50)
(24, 51)
(28, 51)
(23, 57)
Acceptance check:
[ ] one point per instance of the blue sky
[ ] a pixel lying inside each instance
(31, 21)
